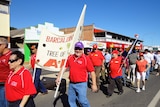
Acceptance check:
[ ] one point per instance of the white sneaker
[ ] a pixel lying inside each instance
(157, 74)
(128, 77)
(138, 90)
(143, 88)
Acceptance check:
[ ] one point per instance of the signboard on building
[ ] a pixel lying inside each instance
(89, 44)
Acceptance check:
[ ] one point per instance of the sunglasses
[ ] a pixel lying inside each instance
(12, 60)
(33, 49)
(77, 48)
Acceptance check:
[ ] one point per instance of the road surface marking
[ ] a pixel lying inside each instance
(155, 100)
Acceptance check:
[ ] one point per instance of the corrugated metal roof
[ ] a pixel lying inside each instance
(17, 33)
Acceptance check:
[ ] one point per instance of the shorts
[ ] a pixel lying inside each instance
(141, 75)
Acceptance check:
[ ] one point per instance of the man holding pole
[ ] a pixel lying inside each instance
(78, 65)
(115, 75)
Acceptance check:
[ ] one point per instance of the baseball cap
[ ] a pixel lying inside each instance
(79, 45)
(115, 52)
(140, 54)
(95, 46)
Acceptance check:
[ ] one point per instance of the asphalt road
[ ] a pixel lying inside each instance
(148, 98)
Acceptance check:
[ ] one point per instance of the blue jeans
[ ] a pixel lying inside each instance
(38, 84)
(148, 73)
(124, 75)
(78, 91)
(3, 101)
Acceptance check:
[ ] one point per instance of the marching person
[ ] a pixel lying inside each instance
(38, 84)
(98, 60)
(107, 60)
(19, 85)
(79, 64)
(115, 75)
(150, 59)
(4, 69)
(132, 66)
(142, 66)
(157, 56)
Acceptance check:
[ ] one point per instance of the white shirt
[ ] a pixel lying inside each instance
(107, 57)
(149, 57)
(157, 59)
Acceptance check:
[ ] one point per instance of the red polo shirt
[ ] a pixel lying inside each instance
(19, 84)
(33, 59)
(4, 66)
(141, 65)
(79, 68)
(115, 67)
(96, 58)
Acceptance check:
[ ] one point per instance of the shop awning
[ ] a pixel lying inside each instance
(96, 30)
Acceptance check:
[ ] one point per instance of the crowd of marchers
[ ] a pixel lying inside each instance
(128, 69)
(116, 67)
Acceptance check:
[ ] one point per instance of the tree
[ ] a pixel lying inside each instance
(13, 28)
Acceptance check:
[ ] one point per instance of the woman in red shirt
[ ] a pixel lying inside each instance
(142, 67)
(19, 85)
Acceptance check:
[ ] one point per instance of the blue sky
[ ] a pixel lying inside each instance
(126, 17)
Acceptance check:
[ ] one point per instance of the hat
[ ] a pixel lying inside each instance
(3, 40)
(140, 54)
(79, 45)
(115, 52)
(95, 46)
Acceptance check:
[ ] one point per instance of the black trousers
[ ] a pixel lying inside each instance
(30, 103)
(112, 83)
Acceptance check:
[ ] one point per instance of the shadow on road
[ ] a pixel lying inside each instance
(64, 99)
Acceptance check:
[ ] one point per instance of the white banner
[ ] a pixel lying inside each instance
(53, 50)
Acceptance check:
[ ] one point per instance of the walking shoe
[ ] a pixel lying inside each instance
(45, 93)
(157, 74)
(138, 90)
(120, 93)
(143, 88)
(108, 95)
(128, 77)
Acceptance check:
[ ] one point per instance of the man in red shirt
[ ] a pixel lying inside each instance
(38, 84)
(115, 76)
(79, 65)
(4, 69)
(98, 60)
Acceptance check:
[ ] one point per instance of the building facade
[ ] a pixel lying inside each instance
(5, 18)
(112, 40)
(90, 35)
